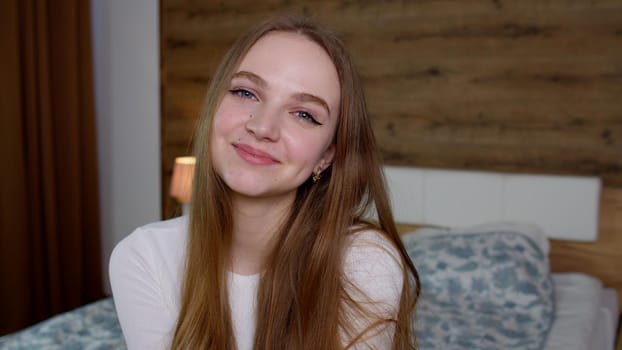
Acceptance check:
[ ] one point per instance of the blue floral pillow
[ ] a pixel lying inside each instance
(481, 290)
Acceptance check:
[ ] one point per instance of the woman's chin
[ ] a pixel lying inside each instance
(255, 190)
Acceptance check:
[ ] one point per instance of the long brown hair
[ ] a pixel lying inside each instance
(302, 291)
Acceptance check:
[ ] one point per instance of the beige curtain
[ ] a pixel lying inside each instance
(49, 225)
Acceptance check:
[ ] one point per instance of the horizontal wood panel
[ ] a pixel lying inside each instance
(479, 84)
(521, 86)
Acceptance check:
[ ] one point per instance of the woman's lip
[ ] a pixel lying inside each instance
(253, 155)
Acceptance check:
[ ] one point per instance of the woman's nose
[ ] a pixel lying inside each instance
(263, 125)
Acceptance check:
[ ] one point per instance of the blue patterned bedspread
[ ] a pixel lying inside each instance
(481, 290)
(91, 327)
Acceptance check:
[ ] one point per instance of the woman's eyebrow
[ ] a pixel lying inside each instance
(252, 77)
(305, 97)
(301, 97)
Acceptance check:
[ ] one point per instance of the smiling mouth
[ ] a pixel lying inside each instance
(254, 156)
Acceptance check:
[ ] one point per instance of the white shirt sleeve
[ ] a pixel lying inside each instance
(146, 319)
(374, 269)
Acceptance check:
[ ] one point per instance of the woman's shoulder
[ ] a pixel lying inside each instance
(372, 260)
(370, 242)
(374, 277)
(145, 270)
(161, 233)
(161, 242)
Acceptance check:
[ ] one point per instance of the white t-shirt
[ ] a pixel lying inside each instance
(146, 272)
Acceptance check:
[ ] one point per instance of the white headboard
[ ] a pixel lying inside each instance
(564, 207)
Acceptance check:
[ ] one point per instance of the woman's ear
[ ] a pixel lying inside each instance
(327, 157)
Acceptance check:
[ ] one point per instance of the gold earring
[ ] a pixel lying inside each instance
(316, 176)
(318, 173)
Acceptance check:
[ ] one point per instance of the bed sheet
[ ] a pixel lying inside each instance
(585, 314)
(604, 331)
(92, 327)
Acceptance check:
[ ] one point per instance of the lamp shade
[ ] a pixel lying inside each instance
(181, 183)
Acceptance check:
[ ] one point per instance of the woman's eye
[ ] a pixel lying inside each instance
(307, 117)
(243, 93)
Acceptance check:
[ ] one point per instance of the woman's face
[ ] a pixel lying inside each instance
(276, 123)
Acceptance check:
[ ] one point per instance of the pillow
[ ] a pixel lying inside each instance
(532, 231)
(481, 289)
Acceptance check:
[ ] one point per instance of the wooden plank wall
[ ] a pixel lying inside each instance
(521, 86)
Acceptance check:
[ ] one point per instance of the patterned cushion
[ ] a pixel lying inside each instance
(91, 327)
(481, 290)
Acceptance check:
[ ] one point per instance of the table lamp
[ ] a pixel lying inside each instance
(181, 182)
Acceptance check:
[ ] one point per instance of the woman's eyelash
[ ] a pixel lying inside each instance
(307, 117)
(243, 93)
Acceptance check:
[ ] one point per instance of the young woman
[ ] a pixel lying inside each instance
(275, 253)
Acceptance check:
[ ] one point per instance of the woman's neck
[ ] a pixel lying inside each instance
(255, 223)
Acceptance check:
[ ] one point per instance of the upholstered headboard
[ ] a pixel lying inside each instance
(583, 220)
(564, 207)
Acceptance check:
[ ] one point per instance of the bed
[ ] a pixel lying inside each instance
(511, 261)
(539, 273)
(490, 287)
